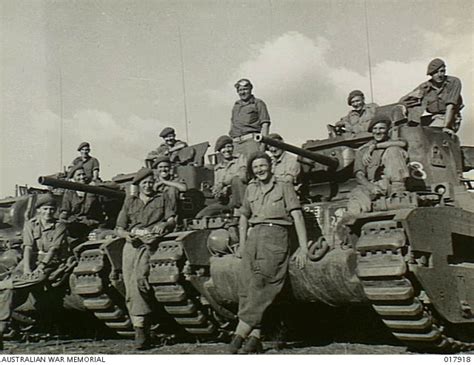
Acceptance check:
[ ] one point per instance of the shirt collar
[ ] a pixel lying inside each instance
(250, 101)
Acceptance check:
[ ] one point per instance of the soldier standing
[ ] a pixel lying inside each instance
(440, 96)
(249, 117)
(90, 164)
(357, 120)
(141, 216)
(285, 166)
(271, 208)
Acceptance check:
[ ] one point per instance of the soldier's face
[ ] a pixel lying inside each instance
(380, 132)
(276, 152)
(79, 176)
(170, 139)
(244, 92)
(261, 169)
(46, 212)
(163, 170)
(439, 75)
(227, 151)
(85, 151)
(357, 102)
(146, 185)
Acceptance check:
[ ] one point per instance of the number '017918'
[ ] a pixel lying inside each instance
(457, 359)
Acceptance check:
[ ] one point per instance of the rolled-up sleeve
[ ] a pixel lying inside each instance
(28, 238)
(95, 164)
(454, 91)
(291, 199)
(122, 220)
(263, 115)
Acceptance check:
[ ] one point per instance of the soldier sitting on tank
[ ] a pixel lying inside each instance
(82, 212)
(142, 218)
(170, 147)
(285, 166)
(165, 181)
(44, 249)
(358, 119)
(90, 164)
(230, 178)
(440, 96)
(270, 207)
(380, 167)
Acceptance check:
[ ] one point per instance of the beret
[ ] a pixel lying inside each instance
(141, 174)
(376, 120)
(434, 65)
(222, 141)
(353, 94)
(82, 145)
(45, 199)
(73, 169)
(275, 136)
(166, 131)
(161, 159)
(243, 82)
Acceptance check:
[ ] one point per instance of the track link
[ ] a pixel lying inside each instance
(175, 293)
(387, 283)
(92, 284)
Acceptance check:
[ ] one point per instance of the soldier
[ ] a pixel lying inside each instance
(249, 117)
(358, 119)
(170, 147)
(90, 164)
(285, 166)
(230, 177)
(165, 182)
(142, 216)
(271, 208)
(440, 96)
(81, 211)
(380, 167)
(44, 249)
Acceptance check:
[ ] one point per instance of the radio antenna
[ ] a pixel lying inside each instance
(368, 51)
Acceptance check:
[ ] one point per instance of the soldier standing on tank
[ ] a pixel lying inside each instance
(81, 211)
(44, 249)
(230, 179)
(249, 117)
(285, 166)
(380, 167)
(170, 147)
(440, 96)
(271, 208)
(90, 164)
(358, 119)
(143, 215)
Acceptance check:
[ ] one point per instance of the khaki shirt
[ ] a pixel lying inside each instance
(374, 170)
(357, 122)
(41, 238)
(89, 165)
(87, 206)
(270, 204)
(248, 117)
(226, 170)
(163, 150)
(286, 168)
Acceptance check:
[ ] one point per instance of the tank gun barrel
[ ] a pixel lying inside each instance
(332, 163)
(99, 190)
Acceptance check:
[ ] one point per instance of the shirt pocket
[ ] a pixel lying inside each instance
(275, 207)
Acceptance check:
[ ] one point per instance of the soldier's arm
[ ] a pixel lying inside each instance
(300, 228)
(449, 117)
(243, 227)
(390, 143)
(178, 146)
(28, 242)
(181, 186)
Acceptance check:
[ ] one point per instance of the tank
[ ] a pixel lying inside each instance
(410, 258)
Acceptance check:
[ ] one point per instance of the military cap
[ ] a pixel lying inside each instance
(166, 131)
(243, 82)
(141, 174)
(275, 136)
(161, 159)
(73, 169)
(353, 94)
(381, 119)
(45, 199)
(82, 145)
(434, 65)
(221, 142)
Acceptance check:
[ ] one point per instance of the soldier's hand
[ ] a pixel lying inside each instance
(143, 285)
(239, 251)
(160, 228)
(300, 257)
(367, 157)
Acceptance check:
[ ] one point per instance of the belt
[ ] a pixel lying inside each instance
(244, 137)
(269, 225)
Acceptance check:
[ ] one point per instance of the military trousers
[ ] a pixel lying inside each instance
(246, 147)
(263, 270)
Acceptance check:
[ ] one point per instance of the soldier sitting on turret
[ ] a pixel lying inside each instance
(285, 166)
(170, 147)
(380, 167)
(230, 177)
(90, 164)
(81, 211)
(165, 181)
(359, 117)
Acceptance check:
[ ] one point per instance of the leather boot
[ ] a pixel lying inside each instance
(235, 344)
(253, 346)
(142, 340)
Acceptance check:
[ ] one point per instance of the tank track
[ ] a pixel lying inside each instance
(176, 294)
(98, 294)
(393, 292)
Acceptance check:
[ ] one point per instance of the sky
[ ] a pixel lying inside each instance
(114, 72)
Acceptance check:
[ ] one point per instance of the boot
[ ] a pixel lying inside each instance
(235, 344)
(253, 346)
(142, 340)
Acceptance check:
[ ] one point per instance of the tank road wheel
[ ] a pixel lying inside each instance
(395, 294)
(90, 281)
(179, 298)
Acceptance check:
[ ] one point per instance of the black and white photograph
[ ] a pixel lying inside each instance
(229, 177)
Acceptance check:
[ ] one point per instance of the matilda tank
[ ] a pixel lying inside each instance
(409, 258)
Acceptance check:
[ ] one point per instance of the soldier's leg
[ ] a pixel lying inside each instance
(246, 147)
(360, 201)
(238, 191)
(394, 160)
